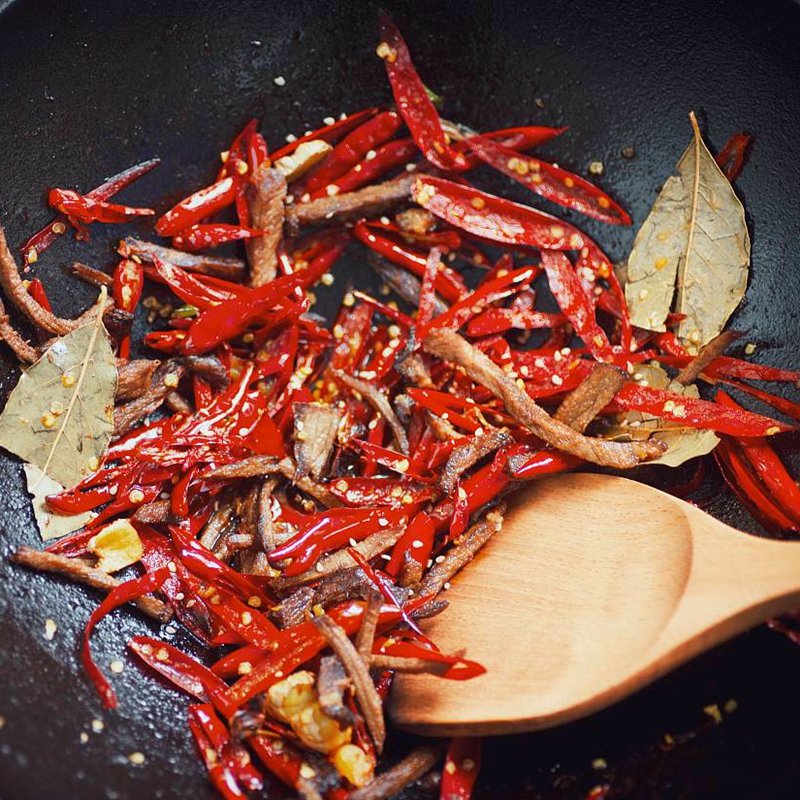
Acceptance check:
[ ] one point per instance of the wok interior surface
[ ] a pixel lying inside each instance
(89, 88)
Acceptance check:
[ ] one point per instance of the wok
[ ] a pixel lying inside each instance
(91, 87)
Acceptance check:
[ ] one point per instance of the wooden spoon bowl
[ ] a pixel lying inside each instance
(594, 587)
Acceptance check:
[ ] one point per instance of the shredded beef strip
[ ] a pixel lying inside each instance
(411, 571)
(378, 400)
(128, 415)
(366, 694)
(448, 345)
(415, 666)
(22, 349)
(413, 767)
(265, 199)
(332, 683)
(134, 377)
(349, 206)
(91, 275)
(267, 536)
(78, 570)
(308, 485)
(246, 468)
(588, 399)
(154, 513)
(412, 367)
(470, 453)
(315, 429)
(210, 368)
(177, 403)
(219, 520)
(461, 553)
(294, 609)
(405, 285)
(369, 623)
(209, 264)
(708, 352)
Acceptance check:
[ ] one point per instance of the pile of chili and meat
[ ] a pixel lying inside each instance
(304, 490)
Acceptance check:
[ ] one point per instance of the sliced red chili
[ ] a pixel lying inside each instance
(192, 209)
(203, 237)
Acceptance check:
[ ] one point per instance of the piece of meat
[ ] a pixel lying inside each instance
(413, 368)
(266, 194)
(246, 468)
(588, 399)
(134, 378)
(177, 403)
(463, 550)
(413, 767)
(448, 345)
(414, 666)
(367, 202)
(367, 697)
(91, 275)
(157, 512)
(466, 455)
(315, 429)
(229, 268)
(127, 416)
(210, 369)
(365, 639)
(708, 352)
(24, 351)
(378, 400)
(308, 485)
(332, 683)
(219, 520)
(406, 286)
(78, 570)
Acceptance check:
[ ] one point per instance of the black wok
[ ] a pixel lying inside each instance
(91, 87)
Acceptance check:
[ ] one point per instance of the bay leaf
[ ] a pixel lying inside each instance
(693, 247)
(51, 525)
(60, 414)
(682, 443)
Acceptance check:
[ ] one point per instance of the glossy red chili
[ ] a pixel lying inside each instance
(386, 158)
(83, 210)
(192, 209)
(203, 237)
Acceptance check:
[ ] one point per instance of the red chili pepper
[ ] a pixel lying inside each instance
(387, 158)
(203, 237)
(731, 157)
(188, 287)
(71, 502)
(729, 367)
(350, 151)
(448, 282)
(203, 203)
(550, 181)
(180, 669)
(412, 100)
(395, 461)
(37, 292)
(40, 241)
(230, 319)
(126, 290)
(221, 777)
(523, 138)
(499, 320)
(165, 341)
(125, 592)
(694, 413)
(768, 467)
(780, 403)
(495, 218)
(461, 768)
(390, 313)
(427, 292)
(370, 492)
(329, 133)
(754, 496)
(545, 462)
(82, 210)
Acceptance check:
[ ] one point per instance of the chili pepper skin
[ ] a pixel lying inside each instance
(203, 237)
(221, 778)
(85, 209)
(37, 292)
(461, 766)
(780, 403)
(329, 133)
(550, 181)
(388, 157)
(188, 287)
(729, 367)
(412, 100)
(192, 209)
(495, 218)
(40, 241)
(731, 158)
(349, 152)
(127, 290)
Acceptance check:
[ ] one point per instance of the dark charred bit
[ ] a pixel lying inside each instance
(448, 345)
(294, 609)
(464, 549)
(315, 429)
(266, 193)
(209, 264)
(708, 352)
(586, 401)
(470, 453)
(412, 367)
(251, 467)
(416, 764)
(134, 378)
(378, 400)
(249, 720)
(210, 369)
(350, 206)
(332, 683)
(78, 570)
(165, 378)
(177, 403)
(406, 286)
(118, 322)
(366, 695)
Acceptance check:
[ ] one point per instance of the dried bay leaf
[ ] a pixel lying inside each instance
(696, 240)
(683, 444)
(51, 525)
(59, 415)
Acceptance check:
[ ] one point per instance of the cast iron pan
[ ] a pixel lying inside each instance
(91, 87)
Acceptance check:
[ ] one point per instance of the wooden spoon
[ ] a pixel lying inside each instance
(594, 587)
